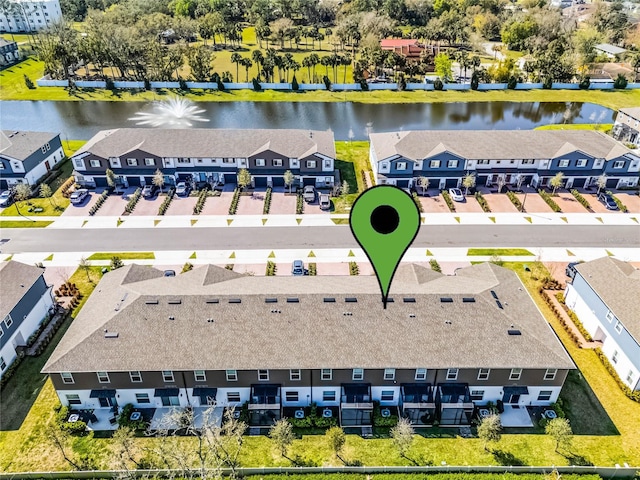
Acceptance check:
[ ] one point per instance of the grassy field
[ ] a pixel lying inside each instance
(600, 127)
(498, 251)
(353, 158)
(23, 224)
(123, 256)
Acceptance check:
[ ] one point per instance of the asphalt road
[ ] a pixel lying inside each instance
(16, 240)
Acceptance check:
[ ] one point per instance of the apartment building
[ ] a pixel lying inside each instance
(27, 156)
(29, 15)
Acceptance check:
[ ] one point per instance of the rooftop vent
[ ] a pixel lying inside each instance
(276, 311)
(468, 300)
(347, 314)
(175, 301)
(210, 320)
(171, 317)
(409, 300)
(446, 300)
(514, 332)
(499, 305)
(293, 300)
(448, 322)
(213, 300)
(329, 300)
(110, 334)
(351, 300)
(494, 294)
(412, 315)
(152, 302)
(235, 300)
(270, 300)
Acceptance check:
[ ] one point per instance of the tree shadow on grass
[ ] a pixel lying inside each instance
(506, 458)
(578, 460)
(298, 461)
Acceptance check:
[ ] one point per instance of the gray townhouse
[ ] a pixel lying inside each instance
(444, 346)
(25, 299)
(518, 157)
(207, 155)
(604, 296)
(27, 156)
(627, 126)
(9, 52)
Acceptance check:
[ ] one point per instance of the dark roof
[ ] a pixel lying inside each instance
(15, 280)
(209, 330)
(617, 284)
(206, 143)
(20, 145)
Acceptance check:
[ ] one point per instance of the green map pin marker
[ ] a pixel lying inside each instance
(384, 220)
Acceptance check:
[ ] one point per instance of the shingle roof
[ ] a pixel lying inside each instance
(20, 145)
(617, 284)
(495, 144)
(310, 333)
(203, 142)
(15, 280)
(632, 112)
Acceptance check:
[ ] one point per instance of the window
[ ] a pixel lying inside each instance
(614, 357)
(3, 364)
(483, 373)
(452, 374)
(103, 377)
(94, 163)
(277, 162)
(327, 164)
(260, 162)
(618, 327)
(185, 160)
(515, 374)
(149, 161)
(67, 378)
(421, 374)
(550, 374)
(311, 164)
(358, 374)
(1, 166)
(8, 321)
(263, 375)
(294, 374)
(528, 162)
(326, 374)
(483, 162)
(563, 163)
(232, 375)
(114, 161)
(401, 165)
(200, 160)
(477, 395)
(167, 376)
(434, 164)
(384, 166)
(329, 396)
(73, 399)
(387, 396)
(228, 160)
(291, 396)
(200, 376)
(618, 164)
(136, 377)
(581, 162)
(45, 148)
(629, 378)
(389, 373)
(452, 163)
(142, 398)
(610, 316)
(233, 397)
(132, 162)
(544, 395)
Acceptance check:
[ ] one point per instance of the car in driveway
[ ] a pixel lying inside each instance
(149, 191)
(183, 189)
(78, 196)
(309, 194)
(325, 203)
(608, 201)
(297, 268)
(456, 194)
(6, 198)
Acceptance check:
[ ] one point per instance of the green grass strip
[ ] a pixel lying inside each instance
(474, 252)
(23, 224)
(123, 256)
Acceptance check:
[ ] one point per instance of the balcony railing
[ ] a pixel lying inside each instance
(264, 403)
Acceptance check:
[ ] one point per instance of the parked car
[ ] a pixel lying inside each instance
(298, 269)
(169, 273)
(6, 198)
(325, 203)
(608, 201)
(183, 189)
(309, 194)
(456, 194)
(78, 196)
(149, 191)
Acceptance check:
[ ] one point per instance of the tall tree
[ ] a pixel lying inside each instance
(557, 181)
(85, 266)
(158, 179)
(443, 67)
(46, 192)
(336, 439)
(289, 179)
(111, 178)
(490, 430)
(21, 193)
(402, 438)
(236, 58)
(282, 436)
(423, 183)
(244, 178)
(468, 181)
(560, 430)
(601, 182)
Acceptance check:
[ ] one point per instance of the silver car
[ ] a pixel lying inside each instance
(78, 196)
(456, 194)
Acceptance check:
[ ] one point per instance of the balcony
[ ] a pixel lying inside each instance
(418, 404)
(265, 397)
(455, 402)
(356, 396)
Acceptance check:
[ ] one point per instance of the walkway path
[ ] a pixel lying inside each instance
(569, 322)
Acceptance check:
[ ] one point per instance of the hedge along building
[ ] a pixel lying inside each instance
(207, 155)
(444, 346)
(515, 157)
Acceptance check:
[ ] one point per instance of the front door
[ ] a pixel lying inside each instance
(107, 402)
(515, 398)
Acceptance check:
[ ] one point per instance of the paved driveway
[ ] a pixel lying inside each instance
(499, 203)
(596, 205)
(83, 208)
(632, 201)
(252, 205)
(218, 205)
(534, 203)
(470, 205)
(182, 205)
(113, 205)
(569, 204)
(282, 204)
(434, 204)
(148, 206)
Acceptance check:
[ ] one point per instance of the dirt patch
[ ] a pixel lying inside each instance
(500, 203)
(182, 205)
(632, 201)
(251, 205)
(282, 204)
(569, 204)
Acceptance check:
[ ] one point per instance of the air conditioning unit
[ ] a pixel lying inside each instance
(299, 413)
(236, 414)
(327, 413)
(385, 413)
(550, 414)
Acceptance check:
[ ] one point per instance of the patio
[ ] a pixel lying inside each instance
(168, 418)
(515, 416)
(100, 419)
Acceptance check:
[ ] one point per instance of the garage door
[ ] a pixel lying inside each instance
(451, 183)
(527, 180)
(260, 181)
(579, 182)
(402, 183)
(3, 184)
(134, 181)
(309, 181)
(612, 183)
(185, 177)
(278, 181)
(482, 180)
(100, 181)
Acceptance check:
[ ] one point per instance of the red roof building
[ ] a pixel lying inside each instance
(408, 47)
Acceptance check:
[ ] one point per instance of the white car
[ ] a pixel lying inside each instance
(6, 198)
(78, 196)
(456, 194)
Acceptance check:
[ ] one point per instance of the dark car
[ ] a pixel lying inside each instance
(608, 201)
(149, 191)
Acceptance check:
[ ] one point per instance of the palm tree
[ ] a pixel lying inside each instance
(346, 61)
(306, 62)
(236, 58)
(325, 61)
(314, 58)
(258, 59)
(246, 63)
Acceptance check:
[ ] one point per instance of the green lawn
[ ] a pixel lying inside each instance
(600, 127)
(498, 251)
(23, 224)
(123, 256)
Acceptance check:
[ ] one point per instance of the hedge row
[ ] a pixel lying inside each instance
(560, 318)
(313, 269)
(483, 202)
(621, 206)
(167, 201)
(550, 201)
(271, 269)
(202, 198)
(66, 186)
(574, 318)
(233, 208)
(632, 394)
(447, 199)
(299, 204)
(435, 266)
(363, 174)
(354, 269)
(414, 195)
(515, 200)
(267, 201)
(96, 206)
(581, 200)
(131, 204)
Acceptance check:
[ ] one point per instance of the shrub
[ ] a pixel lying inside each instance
(10, 370)
(29, 84)
(448, 201)
(109, 85)
(183, 84)
(515, 200)
(147, 84)
(167, 201)
(574, 318)
(354, 269)
(313, 269)
(620, 82)
(327, 82)
(202, 198)
(438, 85)
(74, 427)
(233, 208)
(66, 187)
(256, 85)
(379, 420)
(435, 266)
(271, 269)
(550, 201)
(475, 81)
(363, 174)
(621, 206)
(402, 84)
(483, 202)
(101, 199)
(299, 204)
(221, 86)
(131, 204)
(267, 201)
(632, 394)
(547, 83)
(416, 199)
(585, 83)
(364, 86)
(124, 419)
(512, 82)
(583, 201)
(294, 84)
